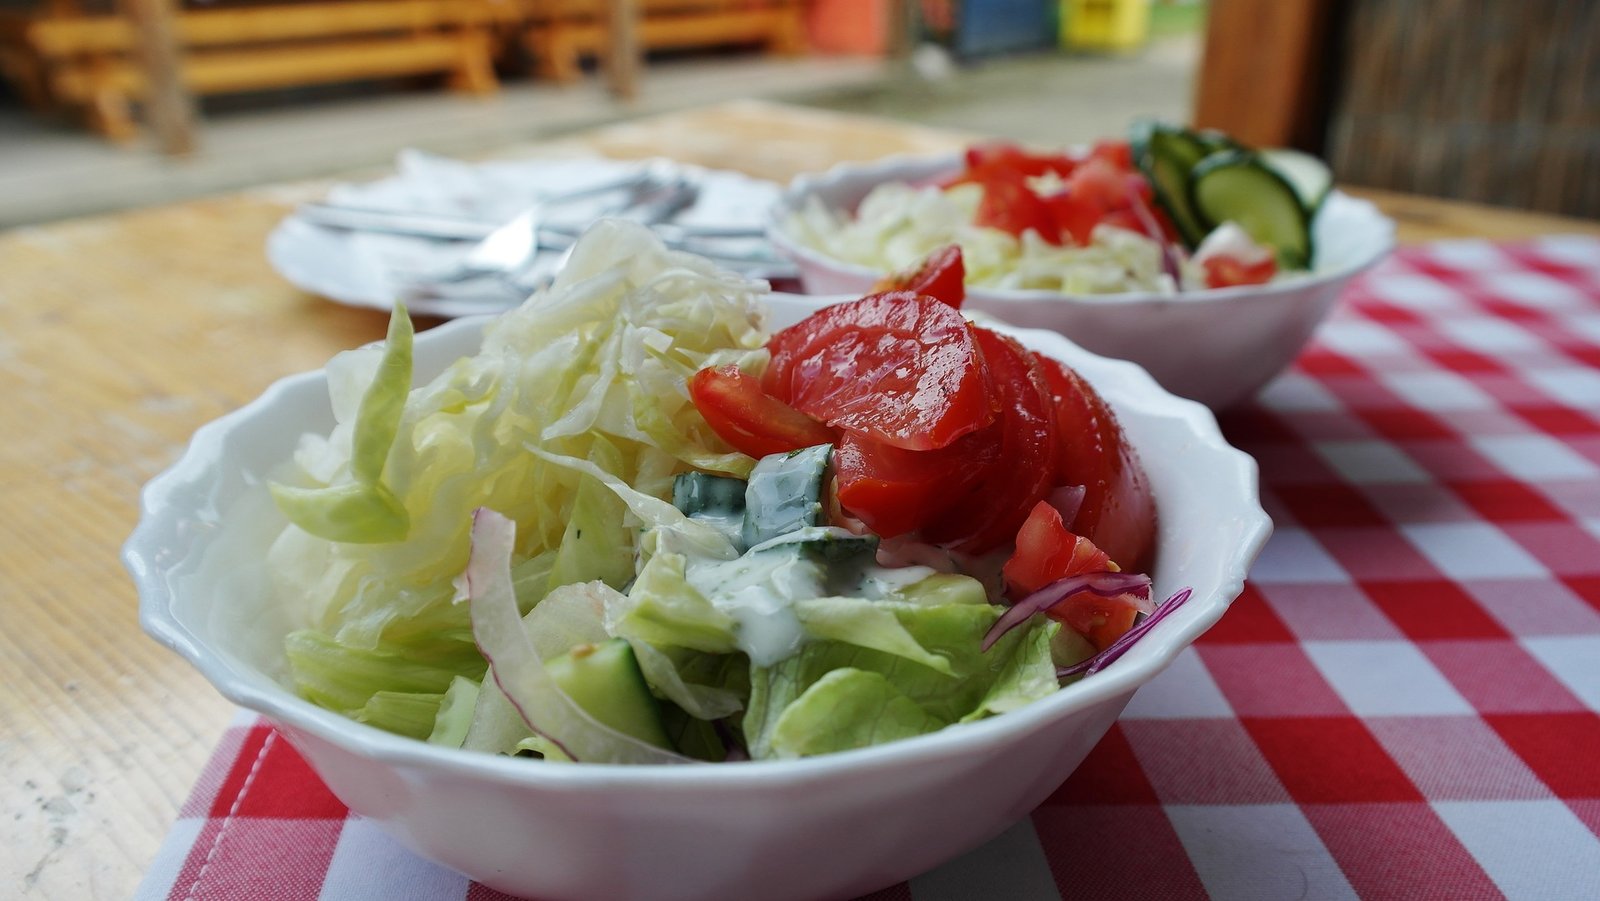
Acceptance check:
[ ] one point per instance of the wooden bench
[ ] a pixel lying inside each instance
(90, 62)
(560, 33)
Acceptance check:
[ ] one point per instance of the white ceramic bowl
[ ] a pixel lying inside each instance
(1217, 347)
(830, 826)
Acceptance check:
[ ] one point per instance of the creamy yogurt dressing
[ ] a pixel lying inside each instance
(759, 588)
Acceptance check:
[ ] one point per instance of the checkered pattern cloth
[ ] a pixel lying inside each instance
(1402, 704)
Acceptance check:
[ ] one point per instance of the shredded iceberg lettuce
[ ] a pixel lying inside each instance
(898, 225)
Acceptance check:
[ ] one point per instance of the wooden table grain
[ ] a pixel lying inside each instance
(119, 336)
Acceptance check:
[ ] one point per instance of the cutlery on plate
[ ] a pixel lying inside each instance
(444, 227)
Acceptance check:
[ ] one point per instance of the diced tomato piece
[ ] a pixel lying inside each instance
(1075, 216)
(895, 491)
(1046, 552)
(999, 156)
(1095, 190)
(942, 276)
(1118, 513)
(1117, 153)
(1227, 272)
(1100, 619)
(902, 369)
(1101, 182)
(1011, 206)
(1024, 470)
(748, 418)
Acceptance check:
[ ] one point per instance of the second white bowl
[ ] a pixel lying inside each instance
(1216, 346)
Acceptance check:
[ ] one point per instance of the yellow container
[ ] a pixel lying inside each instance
(1104, 24)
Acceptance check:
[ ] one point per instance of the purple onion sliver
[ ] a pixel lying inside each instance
(1105, 584)
(1147, 221)
(1106, 657)
(1068, 500)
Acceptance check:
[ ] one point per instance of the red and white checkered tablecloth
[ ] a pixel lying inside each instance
(1402, 704)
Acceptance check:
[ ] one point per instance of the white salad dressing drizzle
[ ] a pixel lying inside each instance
(759, 589)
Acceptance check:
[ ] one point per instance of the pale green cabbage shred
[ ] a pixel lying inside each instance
(897, 225)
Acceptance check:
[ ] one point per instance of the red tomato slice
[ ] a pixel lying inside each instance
(900, 368)
(748, 418)
(895, 491)
(942, 276)
(1118, 513)
(1226, 272)
(1011, 206)
(1025, 468)
(1046, 552)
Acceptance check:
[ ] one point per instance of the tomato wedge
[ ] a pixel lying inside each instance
(942, 276)
(1024, 470)
(901, 369)
(1046, 552)
(895, 491)
(985, 160)
(1118, 513)
(748, 418)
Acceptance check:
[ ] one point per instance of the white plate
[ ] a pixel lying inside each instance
(360, 268)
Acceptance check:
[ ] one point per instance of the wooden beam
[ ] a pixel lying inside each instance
(1265, 75)
(168, 103)
(624, 53)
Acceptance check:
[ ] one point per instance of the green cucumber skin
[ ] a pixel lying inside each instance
(1166, 155)
(700, 492)
(1295, 251)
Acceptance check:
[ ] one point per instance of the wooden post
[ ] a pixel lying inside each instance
(623, 54)
(169, 104)
(1264, 78)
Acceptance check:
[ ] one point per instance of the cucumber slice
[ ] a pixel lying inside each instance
(1237, 186)
(1166, 156)
(605, 680)
(1310, 177)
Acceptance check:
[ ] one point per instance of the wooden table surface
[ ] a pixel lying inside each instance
(121, 334)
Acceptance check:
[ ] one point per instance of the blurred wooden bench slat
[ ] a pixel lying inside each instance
(560, 34)
(91, 61)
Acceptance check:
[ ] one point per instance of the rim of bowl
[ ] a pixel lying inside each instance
(199, 462)
(914, 167)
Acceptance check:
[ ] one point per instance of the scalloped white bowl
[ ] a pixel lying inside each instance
(830, 826)
(1218, 346)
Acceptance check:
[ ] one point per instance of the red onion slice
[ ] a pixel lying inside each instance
(1104, 584)
(516, 665)
(1108, 656)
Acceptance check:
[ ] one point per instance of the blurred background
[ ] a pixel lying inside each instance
(106, 104)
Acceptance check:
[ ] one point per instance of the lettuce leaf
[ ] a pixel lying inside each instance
(966, 684)
(848, 708)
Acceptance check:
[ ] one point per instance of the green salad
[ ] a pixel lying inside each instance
(556, 505)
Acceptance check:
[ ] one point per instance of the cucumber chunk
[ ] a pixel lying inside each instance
(605, 680)
(1310, 177)
(1237, 186)
(785, 493)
